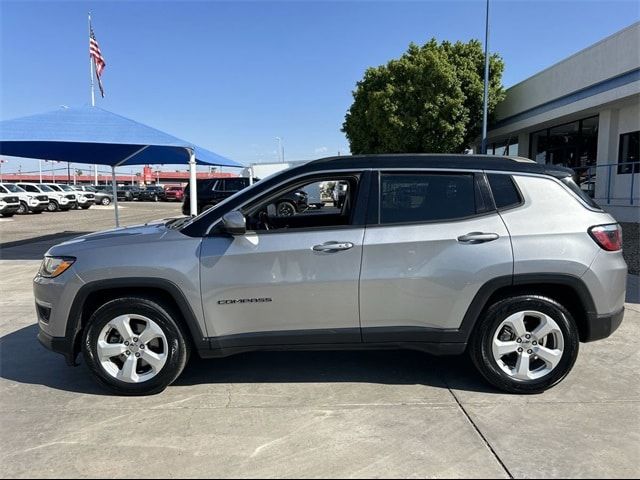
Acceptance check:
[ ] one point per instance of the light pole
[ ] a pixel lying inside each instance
(483, 148)
(280, 149)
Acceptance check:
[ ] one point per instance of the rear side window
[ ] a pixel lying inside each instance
(408, 198)
(505, 193)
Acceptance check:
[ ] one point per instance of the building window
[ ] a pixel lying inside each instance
(573, 145)
(503, 148)
(629, 153)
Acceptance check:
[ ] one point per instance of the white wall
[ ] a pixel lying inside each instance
(606, 59)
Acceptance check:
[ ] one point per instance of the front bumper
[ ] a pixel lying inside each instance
(602, 326)
(9, 208)
(61, 345)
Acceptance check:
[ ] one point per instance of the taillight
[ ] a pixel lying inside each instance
(609, 237)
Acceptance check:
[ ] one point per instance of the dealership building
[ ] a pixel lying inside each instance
(584, 113)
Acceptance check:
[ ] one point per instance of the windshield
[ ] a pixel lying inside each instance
(13, 188)
(46, 188)
(66, 188)
(573, 186)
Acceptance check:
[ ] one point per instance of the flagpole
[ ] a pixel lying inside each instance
(93, 93)
(93, 96)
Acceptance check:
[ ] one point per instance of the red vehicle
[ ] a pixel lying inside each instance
(174, 194)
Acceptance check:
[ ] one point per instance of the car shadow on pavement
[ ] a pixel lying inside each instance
(34, 248)
(24, 360)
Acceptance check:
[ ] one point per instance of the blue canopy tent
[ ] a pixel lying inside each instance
(92, 135)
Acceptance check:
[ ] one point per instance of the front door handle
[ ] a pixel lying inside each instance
(478, 237)
(333, 247)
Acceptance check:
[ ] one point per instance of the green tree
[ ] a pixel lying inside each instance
(428, 100)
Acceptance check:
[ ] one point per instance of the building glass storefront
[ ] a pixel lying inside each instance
(573, 145)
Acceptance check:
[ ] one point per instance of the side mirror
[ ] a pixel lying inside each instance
(235, 223)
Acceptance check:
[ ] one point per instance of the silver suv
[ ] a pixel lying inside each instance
(503, 258)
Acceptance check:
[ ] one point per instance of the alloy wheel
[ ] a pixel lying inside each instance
(132, 348)
(528, 345)
(285, 209)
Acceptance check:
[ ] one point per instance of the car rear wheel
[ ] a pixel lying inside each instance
(525, 344)
(133, 346)
(105, 201)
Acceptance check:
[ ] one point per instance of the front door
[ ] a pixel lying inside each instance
(292, 278)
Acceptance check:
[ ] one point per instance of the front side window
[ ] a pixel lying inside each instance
(629, 153)
(428, 197)
(323, 202)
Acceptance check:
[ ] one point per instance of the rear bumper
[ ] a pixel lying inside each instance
(602, 326)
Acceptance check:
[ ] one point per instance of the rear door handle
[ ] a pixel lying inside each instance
(333, 247)
(478, 237)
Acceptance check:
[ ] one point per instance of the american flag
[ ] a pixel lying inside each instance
(98, 59)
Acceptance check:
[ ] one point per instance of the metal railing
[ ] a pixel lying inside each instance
(586, 176)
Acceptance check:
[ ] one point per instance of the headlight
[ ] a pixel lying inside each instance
(33, 201)
(53, 266)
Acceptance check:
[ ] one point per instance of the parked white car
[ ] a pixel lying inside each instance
(29, 202)
(85, 199)
(58, 200)
(9, 204)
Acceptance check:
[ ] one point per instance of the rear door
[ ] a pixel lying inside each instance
(435, 240)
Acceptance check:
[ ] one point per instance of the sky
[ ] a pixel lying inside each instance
(233, 76)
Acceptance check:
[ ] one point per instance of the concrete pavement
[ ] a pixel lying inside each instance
(312, 414)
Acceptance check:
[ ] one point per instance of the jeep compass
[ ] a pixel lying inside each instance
(502, 258)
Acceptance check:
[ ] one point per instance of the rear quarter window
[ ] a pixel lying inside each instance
(505, 192)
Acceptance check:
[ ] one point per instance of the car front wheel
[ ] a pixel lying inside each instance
(133, 346)
(52, 207)
(105, 201)
(525, 344)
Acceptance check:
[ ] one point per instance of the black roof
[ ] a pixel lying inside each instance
(434, 160)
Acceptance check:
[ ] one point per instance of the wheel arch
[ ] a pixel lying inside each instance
(568, 290)
(94, 294)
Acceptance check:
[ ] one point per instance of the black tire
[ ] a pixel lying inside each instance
(53, 206)
(8, 215)
(23, 209)
(86, 208)
(480, 347)
(105, 201)
(286, 209)
(37, 212)
(178, 347)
